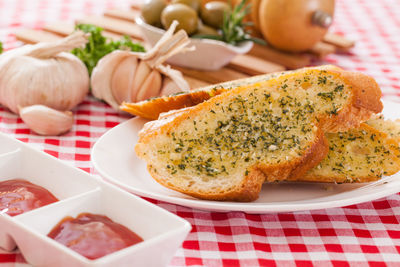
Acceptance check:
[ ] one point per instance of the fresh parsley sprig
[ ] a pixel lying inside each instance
(1, 47)
(98, 46)
(233, 30)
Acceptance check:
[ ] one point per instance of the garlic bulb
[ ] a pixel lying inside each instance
(44, 74)
(46, 121)
(168, 87)
(124, 76)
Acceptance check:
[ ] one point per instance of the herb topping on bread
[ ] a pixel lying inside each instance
(361, 154)
(226, 147)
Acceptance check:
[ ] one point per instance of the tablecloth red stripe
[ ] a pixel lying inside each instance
(357, 235)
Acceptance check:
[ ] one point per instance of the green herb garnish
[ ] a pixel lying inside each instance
(98, 46)
(1, 48)
(233, 30)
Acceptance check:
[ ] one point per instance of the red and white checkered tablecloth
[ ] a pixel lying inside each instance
(361, 235)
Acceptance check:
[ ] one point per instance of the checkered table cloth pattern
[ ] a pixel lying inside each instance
(361, 235)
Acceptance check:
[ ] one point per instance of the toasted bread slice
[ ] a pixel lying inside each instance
(226, 147)
(361, 154)
(152, 108)
(391, 128)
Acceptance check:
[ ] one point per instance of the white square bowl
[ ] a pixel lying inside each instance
(17, 160)
(78, 192)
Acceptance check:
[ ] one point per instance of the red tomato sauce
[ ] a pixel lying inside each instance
(19, 196)
(93, 236)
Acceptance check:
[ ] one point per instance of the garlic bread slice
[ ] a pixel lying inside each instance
(226, 147)
(361, 154)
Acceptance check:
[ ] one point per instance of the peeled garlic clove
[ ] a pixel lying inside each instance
(46, 121)
(151, 86)
(123, 78)
(142, 72)
(169, 87)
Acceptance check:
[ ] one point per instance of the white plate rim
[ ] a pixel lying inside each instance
(248, 207)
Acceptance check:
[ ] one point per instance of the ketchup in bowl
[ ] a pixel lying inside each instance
(18, 196)
(93, 236)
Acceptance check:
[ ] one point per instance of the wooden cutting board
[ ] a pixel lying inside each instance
(260, 60)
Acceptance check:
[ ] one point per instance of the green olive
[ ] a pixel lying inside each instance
(213, 13)
(195, 4)
(185, 15)
(205, 29)
(151, 11)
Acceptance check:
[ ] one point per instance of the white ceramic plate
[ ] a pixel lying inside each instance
(114, 157)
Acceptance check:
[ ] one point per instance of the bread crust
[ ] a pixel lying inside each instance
(359, 108)
(152, 108)
(365, 102)
(362, 98)
(248, 190)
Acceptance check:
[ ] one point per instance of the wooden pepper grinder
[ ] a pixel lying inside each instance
(293, 25)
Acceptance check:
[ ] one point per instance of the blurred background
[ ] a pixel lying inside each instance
(373, 25)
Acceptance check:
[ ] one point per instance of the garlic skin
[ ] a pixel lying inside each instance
(124, 76)
(150, 87)
(44, 74)
(142, 72)
(169, 87)
(46, 121)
